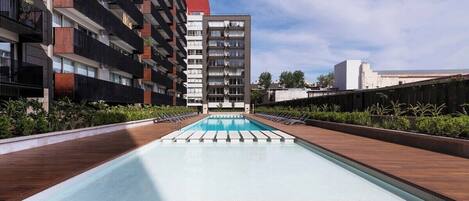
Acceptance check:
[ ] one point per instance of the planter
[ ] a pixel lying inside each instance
(27, 142)
(451, 146)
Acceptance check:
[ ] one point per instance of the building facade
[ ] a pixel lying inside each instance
(119, 51)
(24, 38)
(226, 62)
(356, 74)
(197, 9)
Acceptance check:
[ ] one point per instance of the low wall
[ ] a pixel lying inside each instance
(451, 146)
(28, 142)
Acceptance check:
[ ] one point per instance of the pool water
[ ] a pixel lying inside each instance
(227, 124)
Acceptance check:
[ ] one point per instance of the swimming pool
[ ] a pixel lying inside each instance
(213, 172)
(227, 123)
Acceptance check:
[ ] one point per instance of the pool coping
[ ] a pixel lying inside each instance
(411, 187)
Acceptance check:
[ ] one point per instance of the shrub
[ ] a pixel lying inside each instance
(5, 127)
(444, 125)
(396, 123)
(25, 126)
(42, 125)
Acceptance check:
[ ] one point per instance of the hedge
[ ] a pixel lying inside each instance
(443, 125)
(27, 117)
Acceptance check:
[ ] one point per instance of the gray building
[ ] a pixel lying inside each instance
(226, 63)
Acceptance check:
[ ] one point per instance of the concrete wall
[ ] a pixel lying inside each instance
(347, 75)
(290, 94)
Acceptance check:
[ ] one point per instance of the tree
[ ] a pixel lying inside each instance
(292, 80)
(326, 80)
(298, 79)
(257, 96)
(265, 80)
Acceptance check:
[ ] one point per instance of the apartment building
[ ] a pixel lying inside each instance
(226, 62)
(197, 9)
(119, 51)
(357, 74)
(24, 37)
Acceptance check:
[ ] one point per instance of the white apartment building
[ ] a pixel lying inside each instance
(194, 59)
(356, 74)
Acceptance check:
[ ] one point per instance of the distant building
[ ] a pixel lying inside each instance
(356, 74)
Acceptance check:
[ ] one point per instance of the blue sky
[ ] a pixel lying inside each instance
(313, 35)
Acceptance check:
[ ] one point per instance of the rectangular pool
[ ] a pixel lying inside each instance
(227, 123)
(223, 172)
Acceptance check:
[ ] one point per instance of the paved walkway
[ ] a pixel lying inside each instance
(444, 174)
(28, 172)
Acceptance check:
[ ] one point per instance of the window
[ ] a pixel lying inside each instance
(216, 53)
(194, 33)
(57, 64)
(236, 24)
(194, 43)
(119, 79)
(194, 61)
(81, 69)
(216, 24)
(194, 52)
(194, 24)
(215, 33)
(68, 66)
(234, 33)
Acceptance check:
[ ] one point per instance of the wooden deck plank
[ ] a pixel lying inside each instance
(441, 173)
(28, 172)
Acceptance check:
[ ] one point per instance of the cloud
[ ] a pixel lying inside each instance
(314, 35)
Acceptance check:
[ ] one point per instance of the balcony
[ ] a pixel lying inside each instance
(153, 98)
(181, 88)
(164, 10)
(152, 14)
(180, 49)
(181, 61)
(161, 44)
(73, 43)
(22, 18)
(82, 88)
(20, 79)
(157, 77)
(150, 54)
(181, 75)
(129, 8)
(94, 13)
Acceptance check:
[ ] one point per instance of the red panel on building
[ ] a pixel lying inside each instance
(198, 6)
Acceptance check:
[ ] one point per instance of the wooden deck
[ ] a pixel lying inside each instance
(443, 174)
(28, 172)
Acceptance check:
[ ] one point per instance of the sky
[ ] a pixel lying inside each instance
(314, 35)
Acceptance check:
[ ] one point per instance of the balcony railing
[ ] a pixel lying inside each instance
(20, 79)
(162, 44)
(100, 15)
(129, 8)
(157, 77)
(88, 47)
(152, 14)
(161, 99)
(82, 88)
(23, 18)
(152, 55)
(164, 11)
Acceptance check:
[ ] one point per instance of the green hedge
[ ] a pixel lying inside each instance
(27, 117)
(451, 126)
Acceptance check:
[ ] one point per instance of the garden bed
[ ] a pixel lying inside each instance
(446, 145)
